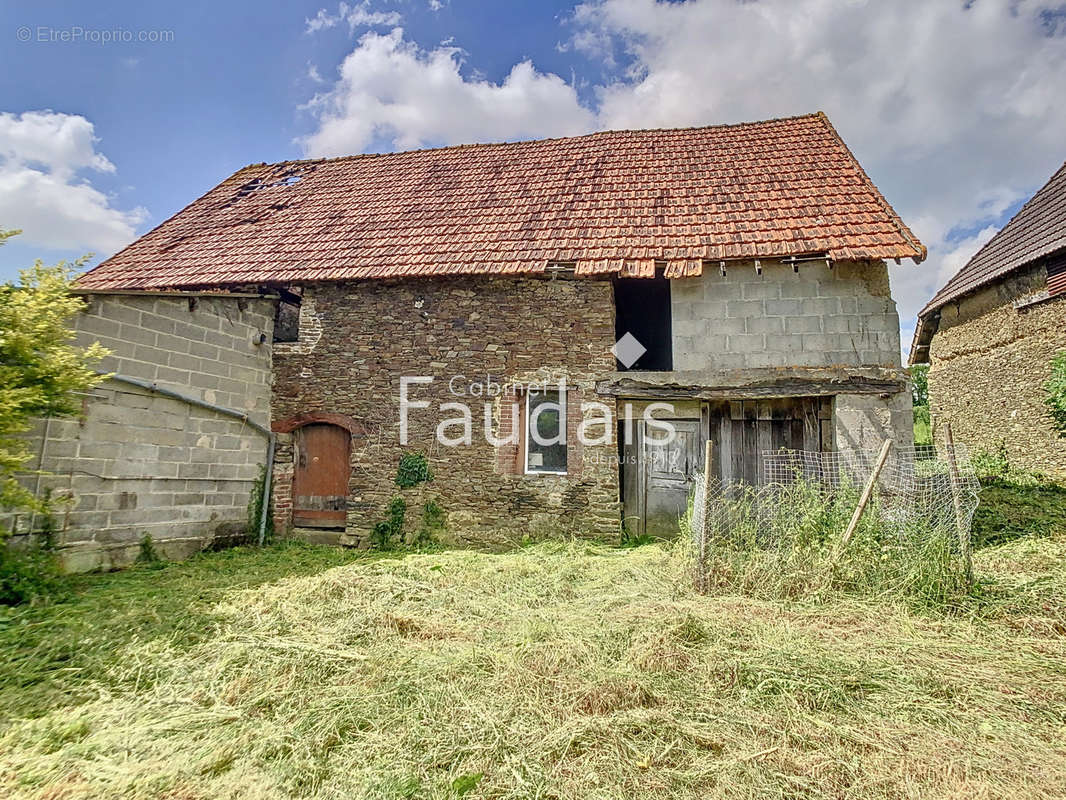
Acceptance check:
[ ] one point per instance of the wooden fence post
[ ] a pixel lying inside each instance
(965, 550)
(701, 559)
(867, 492)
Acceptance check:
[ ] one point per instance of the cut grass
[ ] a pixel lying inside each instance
(557, 671)
(50, 654)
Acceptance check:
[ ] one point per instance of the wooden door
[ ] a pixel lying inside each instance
(320, 481)
(666, 473)
(748, 428)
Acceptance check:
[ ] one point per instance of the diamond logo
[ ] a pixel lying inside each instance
(628, 350)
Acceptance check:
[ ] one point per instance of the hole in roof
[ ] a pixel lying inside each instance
(284, 180)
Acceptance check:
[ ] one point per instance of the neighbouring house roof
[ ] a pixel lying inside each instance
(611, 202)
(1036, 231)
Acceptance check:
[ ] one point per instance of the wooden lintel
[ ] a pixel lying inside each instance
(791, 389)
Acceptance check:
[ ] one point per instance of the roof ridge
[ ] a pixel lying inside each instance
(590, 134)
(609, 201)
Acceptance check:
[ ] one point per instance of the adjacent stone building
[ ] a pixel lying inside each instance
(990, 334)
(526, 319)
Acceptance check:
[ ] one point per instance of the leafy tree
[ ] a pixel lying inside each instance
(39, 367)
(1056, 393)
(920, 384)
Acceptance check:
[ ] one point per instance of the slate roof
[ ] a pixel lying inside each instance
(610, 202)
(1037, 230)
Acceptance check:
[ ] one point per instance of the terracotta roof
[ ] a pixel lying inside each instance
(1037, 230)
(617, 201)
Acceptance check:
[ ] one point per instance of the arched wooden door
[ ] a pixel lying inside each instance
(320, 481)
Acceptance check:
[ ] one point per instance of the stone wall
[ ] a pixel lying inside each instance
(356, 341)
(137, 462)
(818, 317)
(988, 361)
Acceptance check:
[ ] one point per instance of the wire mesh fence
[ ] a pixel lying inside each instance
(902, 509)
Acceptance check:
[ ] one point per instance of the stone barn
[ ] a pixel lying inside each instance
(990, 333)
(531, 318)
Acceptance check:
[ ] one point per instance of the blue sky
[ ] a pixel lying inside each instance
(956, 110)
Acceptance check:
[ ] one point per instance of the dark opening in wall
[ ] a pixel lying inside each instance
(642, 309)
(287, 321)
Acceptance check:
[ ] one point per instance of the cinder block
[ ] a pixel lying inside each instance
(799, 288)
(742, 343)
(745, 308)
(688, 328)
(175, 344)
(765, 325)
(766, 289)
(194, 333)
(788, 345)
(842, 323)
(92, 326)
(176, 378)
(727, 326)
(132, 335)
(790, 307)
(810, 324)
(821, 306)
(133, 368)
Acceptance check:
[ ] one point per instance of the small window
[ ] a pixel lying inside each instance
(287, 322)
(546, 432)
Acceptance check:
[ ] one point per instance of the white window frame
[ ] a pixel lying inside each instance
(527, 437)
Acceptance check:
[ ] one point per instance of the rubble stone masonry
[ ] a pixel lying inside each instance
(989, 361)
(358, 339)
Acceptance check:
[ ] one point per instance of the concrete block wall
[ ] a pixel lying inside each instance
(818, 317)
(137, 462)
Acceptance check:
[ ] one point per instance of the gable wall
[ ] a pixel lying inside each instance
(988, 362)
(818, 317)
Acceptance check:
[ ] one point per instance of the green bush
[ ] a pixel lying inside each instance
(27, 576)
(40, 370)
(434, 523)
(389, 532)
(1056, 393)
(146, 552)
(413, 470)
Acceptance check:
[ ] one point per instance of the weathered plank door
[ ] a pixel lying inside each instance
(320, 481)
(664, 473)
(746, 429)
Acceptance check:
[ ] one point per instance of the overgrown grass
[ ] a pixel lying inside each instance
(557, 671)
(785, 542)
(1015, 503)
(923, 429)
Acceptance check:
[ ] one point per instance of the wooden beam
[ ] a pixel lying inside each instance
(956, 498)
(636, 388)
(867, 493)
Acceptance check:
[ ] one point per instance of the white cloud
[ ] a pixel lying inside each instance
(955, 109)
(390, 88)
(41, 154)
(955, 112)
(356, 16)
